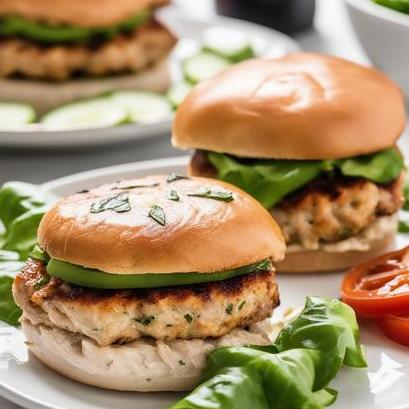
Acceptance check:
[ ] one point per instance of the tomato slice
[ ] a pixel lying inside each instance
(395, 328)
(379, 286)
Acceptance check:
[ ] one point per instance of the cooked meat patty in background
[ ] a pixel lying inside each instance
(328, 209)
(67, 44)
(125, 53)
(130, 275)
(310, 137)
(56, 52)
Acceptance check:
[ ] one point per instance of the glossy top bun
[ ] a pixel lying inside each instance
(198, 234)
(301, 106)
(79, 13)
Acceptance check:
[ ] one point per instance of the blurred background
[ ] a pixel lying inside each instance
(352, 29)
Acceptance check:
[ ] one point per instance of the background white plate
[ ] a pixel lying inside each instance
(266, 42)
(25, 381)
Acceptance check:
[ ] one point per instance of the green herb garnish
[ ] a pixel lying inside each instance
(229, 309)
(173, 177)
(188, 318)
(173, 195)
(43, 281)
(119, 204)
(403, 226)
(181, 362)
(241, 305)
(129, 187)
(146, 320)
(216, 194)
(158, 214)
(271, 180)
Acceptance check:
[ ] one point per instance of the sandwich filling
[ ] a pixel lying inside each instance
(64, 50)
(108, 316)
(315, 202)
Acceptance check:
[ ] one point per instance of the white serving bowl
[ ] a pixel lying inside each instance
(384, 35)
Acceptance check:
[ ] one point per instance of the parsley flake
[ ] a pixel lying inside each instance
(173, 177)
(119, 204)
(241, 305)
(145, 320)
(188, 318)
(158, 214)
(128, 187)
(229, 309)
(173, 195)
(216, 194)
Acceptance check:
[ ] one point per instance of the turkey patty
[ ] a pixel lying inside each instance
(328, 209)
(109, 316)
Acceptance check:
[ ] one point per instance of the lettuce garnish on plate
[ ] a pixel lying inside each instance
(293, 373)
(22, 205)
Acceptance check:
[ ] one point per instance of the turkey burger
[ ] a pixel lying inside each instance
(312, 138)
(55, 51)
(132, 284)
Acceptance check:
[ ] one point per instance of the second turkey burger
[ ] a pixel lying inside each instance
(312, 137)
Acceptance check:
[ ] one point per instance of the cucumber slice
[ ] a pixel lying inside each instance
(177, 93)
(91, 113)
(14, 115)
(203, 66)
(86, 277)
(143, 106)
(228, 43)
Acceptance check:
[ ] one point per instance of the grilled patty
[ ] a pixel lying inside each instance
(117, 316)
(125, 53)
(328, 209)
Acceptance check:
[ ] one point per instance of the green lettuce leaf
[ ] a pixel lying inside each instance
(12, 26)
(269, 181)
(22, 206)
(406, 192)
(380, 167)
(329, 326)
(294, 373)
(403, 220)
(10, 265)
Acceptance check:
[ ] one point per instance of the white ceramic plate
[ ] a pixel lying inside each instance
(27, 382)
(266, 43)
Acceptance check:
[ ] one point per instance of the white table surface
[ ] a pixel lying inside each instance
(332, 33)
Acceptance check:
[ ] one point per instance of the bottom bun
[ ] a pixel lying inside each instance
(317, 261)
(44, 96)
(144, 365)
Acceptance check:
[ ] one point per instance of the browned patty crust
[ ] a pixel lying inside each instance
(109, 316)
(125, 53)
(328, 209)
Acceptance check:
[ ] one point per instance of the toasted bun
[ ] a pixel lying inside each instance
(202, 235)
(307, 261)
(79, 13)
(46, 96)
(301, 106)
(145, 365)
